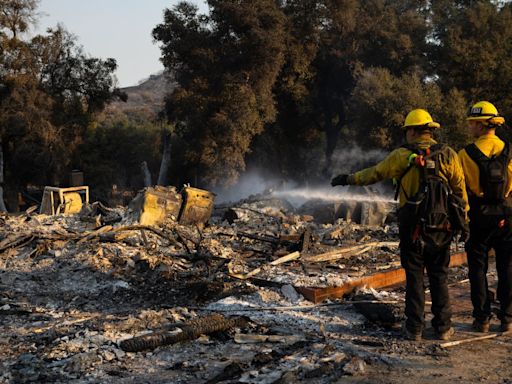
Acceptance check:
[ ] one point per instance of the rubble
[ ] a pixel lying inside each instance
(79, 294)
(157, 205)
(153, 206)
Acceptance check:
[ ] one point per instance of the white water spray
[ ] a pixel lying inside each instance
(300, 195)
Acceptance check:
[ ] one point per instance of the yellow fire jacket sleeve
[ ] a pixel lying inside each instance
(490, 145)
(396, 164)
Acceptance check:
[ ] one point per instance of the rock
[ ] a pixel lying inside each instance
(324, 369)
(290, 293)
(27, 368)
(119, 353)
(108, 355)
(356, 366)
(82, 361)
(119, 284)
(383, 314)
(336, 357)
(287, 377)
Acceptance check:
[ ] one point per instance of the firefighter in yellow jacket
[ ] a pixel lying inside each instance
(488, 169)
(411, 165)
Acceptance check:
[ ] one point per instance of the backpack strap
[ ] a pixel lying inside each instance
(506, 151)
(414, 149)
(399, 182)
(476, 154)
(434, 154)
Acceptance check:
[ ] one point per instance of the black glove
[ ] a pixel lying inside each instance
(340, 180)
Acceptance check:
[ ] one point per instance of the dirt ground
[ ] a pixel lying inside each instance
(65, 306)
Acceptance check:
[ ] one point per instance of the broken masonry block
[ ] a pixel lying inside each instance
(383, 313)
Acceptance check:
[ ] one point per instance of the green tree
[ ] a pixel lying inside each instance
(359, 35)
(112, 151)
(17, 15)
(381, 101)
(285, 147)
(51, 92)
(226, 65)
(471, 50)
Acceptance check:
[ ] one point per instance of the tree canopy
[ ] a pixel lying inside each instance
(50, 93)
(280, 85)
(263, 81)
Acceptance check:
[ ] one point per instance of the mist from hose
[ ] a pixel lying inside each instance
(299, 196)
(258, 181)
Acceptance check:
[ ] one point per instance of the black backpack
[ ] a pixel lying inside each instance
(434, 214)
(493, 207)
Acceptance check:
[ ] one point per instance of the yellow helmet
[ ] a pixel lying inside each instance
(418, 118)
(486, 113)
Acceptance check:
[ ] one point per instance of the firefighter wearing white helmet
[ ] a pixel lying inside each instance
(488, 169)
(424, 243)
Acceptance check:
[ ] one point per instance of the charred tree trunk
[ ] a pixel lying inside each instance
(3, 208)
(146, 175)
(166, 158)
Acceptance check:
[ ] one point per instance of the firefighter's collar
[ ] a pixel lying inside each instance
(424, 140)
(488, 136)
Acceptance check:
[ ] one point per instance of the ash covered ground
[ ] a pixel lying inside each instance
(73, 289)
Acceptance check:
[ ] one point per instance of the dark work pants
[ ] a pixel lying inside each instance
(436, 261)
(477, 248)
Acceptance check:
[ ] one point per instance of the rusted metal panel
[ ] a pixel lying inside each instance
(153, 206)
(63, 200)
(376, 280)
(197, 206)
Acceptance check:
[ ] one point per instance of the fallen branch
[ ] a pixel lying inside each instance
(349, 251)
(64, 324)
(16, 243)
(93, 234)
(156, 231)
(190, 331)
(113, 237)
(47, 334)
(281, 260)
(473, 339)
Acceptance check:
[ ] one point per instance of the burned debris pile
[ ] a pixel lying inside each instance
(199, 293)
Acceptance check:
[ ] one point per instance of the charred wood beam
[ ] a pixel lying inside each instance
(190, 331)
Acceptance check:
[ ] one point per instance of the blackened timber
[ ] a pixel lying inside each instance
(190, 331)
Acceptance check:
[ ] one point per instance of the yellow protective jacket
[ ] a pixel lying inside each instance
(396, 163)
(490, 145)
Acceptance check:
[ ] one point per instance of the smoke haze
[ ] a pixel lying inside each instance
(344, 161)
